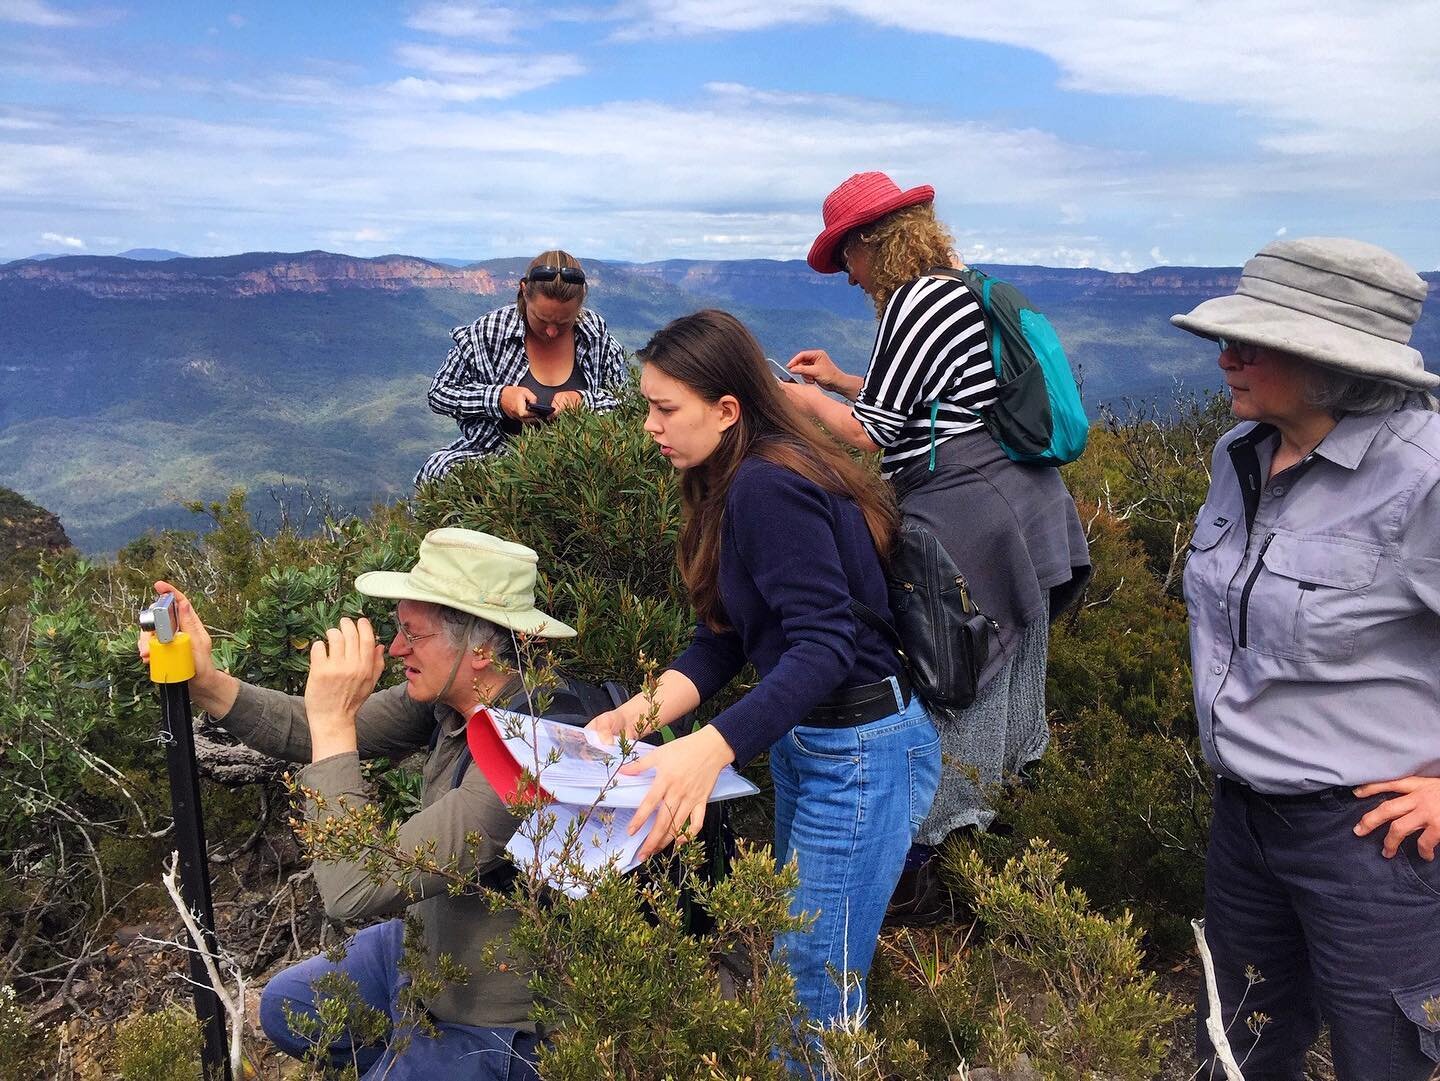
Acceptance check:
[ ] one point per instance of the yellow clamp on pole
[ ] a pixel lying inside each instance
(172, 661)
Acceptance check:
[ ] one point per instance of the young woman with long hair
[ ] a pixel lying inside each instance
(782, 530)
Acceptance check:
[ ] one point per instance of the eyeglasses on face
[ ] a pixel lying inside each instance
(1245, 352)
(570, 275)
(411, 639)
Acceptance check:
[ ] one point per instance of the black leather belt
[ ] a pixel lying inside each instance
(859, 705)
(1341, 792)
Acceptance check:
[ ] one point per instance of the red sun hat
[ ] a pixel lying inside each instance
(863, 198)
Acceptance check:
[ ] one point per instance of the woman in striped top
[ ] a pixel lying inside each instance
(1012, 529)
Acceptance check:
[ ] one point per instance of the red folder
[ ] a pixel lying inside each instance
(495, 761)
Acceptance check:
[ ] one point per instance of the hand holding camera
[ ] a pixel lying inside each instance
(212, 690)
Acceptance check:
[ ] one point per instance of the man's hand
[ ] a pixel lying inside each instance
(685, 774)
(515, 403)
(344, 667)
(567, 399)
(212, 690)
(1416, 808)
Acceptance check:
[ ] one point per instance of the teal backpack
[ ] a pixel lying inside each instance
(1037, 416)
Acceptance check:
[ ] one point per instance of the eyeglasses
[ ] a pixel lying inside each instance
(411, 639)
(570, 275)
(1245, 352)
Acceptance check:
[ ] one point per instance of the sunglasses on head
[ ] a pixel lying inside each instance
(570, 275)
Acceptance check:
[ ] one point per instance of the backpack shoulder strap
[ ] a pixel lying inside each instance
(882, 627)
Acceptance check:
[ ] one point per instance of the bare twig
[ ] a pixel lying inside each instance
(1215, 1022)
(234, 1007)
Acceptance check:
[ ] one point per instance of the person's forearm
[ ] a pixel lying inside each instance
(840, 422)
(848, 385)
(674, 697)
(215, 693)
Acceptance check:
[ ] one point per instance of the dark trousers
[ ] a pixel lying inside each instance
(372, 960)
(1331, 928)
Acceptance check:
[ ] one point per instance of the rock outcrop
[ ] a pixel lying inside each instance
(27, 528)
(249, 275)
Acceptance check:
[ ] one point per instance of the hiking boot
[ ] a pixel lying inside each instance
(920, 898)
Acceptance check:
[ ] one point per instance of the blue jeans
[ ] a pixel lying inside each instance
(372, 960)
(848, 802)
(1337, 932)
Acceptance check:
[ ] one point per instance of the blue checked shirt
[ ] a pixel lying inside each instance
(488, 356)
(1314, 601)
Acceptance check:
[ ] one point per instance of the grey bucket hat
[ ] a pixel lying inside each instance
(476, 573)
(1341, 303)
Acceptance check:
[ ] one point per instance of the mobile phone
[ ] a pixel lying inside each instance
(782, 373)
(540, 410)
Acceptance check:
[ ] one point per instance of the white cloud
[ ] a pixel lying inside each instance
(460, 75)
(1281, 231)
(485, 22)
(63, 241)
(1156, 257)
(37, 13)
(1334, 78)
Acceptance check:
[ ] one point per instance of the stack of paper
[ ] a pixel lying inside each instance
(594, 802)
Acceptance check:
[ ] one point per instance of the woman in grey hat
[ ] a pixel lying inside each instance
(1313, 588)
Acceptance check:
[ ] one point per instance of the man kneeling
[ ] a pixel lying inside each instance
(457, 609)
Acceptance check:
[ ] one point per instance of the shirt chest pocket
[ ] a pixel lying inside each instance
(1204, 581)
(1308, 597)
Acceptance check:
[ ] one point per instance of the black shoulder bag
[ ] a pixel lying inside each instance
(941, 635)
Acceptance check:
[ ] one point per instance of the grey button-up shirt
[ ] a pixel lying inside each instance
(464, 823)
(1314, 600)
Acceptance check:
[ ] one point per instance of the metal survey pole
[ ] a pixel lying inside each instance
(172, 666)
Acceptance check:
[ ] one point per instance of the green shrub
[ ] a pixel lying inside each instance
(594, 498)
(1046, 978)
(161, 1046)
(24, 1047)
(1121, 790)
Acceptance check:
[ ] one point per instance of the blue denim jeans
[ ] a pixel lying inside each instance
(372, 960)
(848, 802)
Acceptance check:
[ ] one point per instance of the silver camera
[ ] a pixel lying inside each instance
(161, 619)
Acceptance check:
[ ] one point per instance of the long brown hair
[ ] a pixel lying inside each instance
(555, 289)
(713, 354)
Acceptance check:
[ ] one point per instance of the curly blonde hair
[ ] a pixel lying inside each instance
(903, 246)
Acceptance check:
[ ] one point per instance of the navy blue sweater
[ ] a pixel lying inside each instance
(791, 557)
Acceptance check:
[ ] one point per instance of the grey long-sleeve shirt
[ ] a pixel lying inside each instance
(391, 724)
(1314, 600)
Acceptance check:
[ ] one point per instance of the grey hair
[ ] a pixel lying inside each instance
(464, 631)
(1341, 394)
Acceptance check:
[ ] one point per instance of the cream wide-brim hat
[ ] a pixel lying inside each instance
(472, 572)
(1340, 303)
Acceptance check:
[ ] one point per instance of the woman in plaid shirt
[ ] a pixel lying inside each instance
(523, 363)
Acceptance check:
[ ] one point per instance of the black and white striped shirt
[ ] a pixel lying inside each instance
(931, 347)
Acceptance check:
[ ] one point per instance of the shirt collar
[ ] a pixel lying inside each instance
(1351, 437)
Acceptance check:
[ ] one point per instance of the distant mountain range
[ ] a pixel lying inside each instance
(144, 255)
(129, 384)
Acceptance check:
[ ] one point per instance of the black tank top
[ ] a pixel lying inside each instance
(544, 395)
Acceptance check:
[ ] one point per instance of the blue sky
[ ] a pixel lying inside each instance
(1118, 134)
